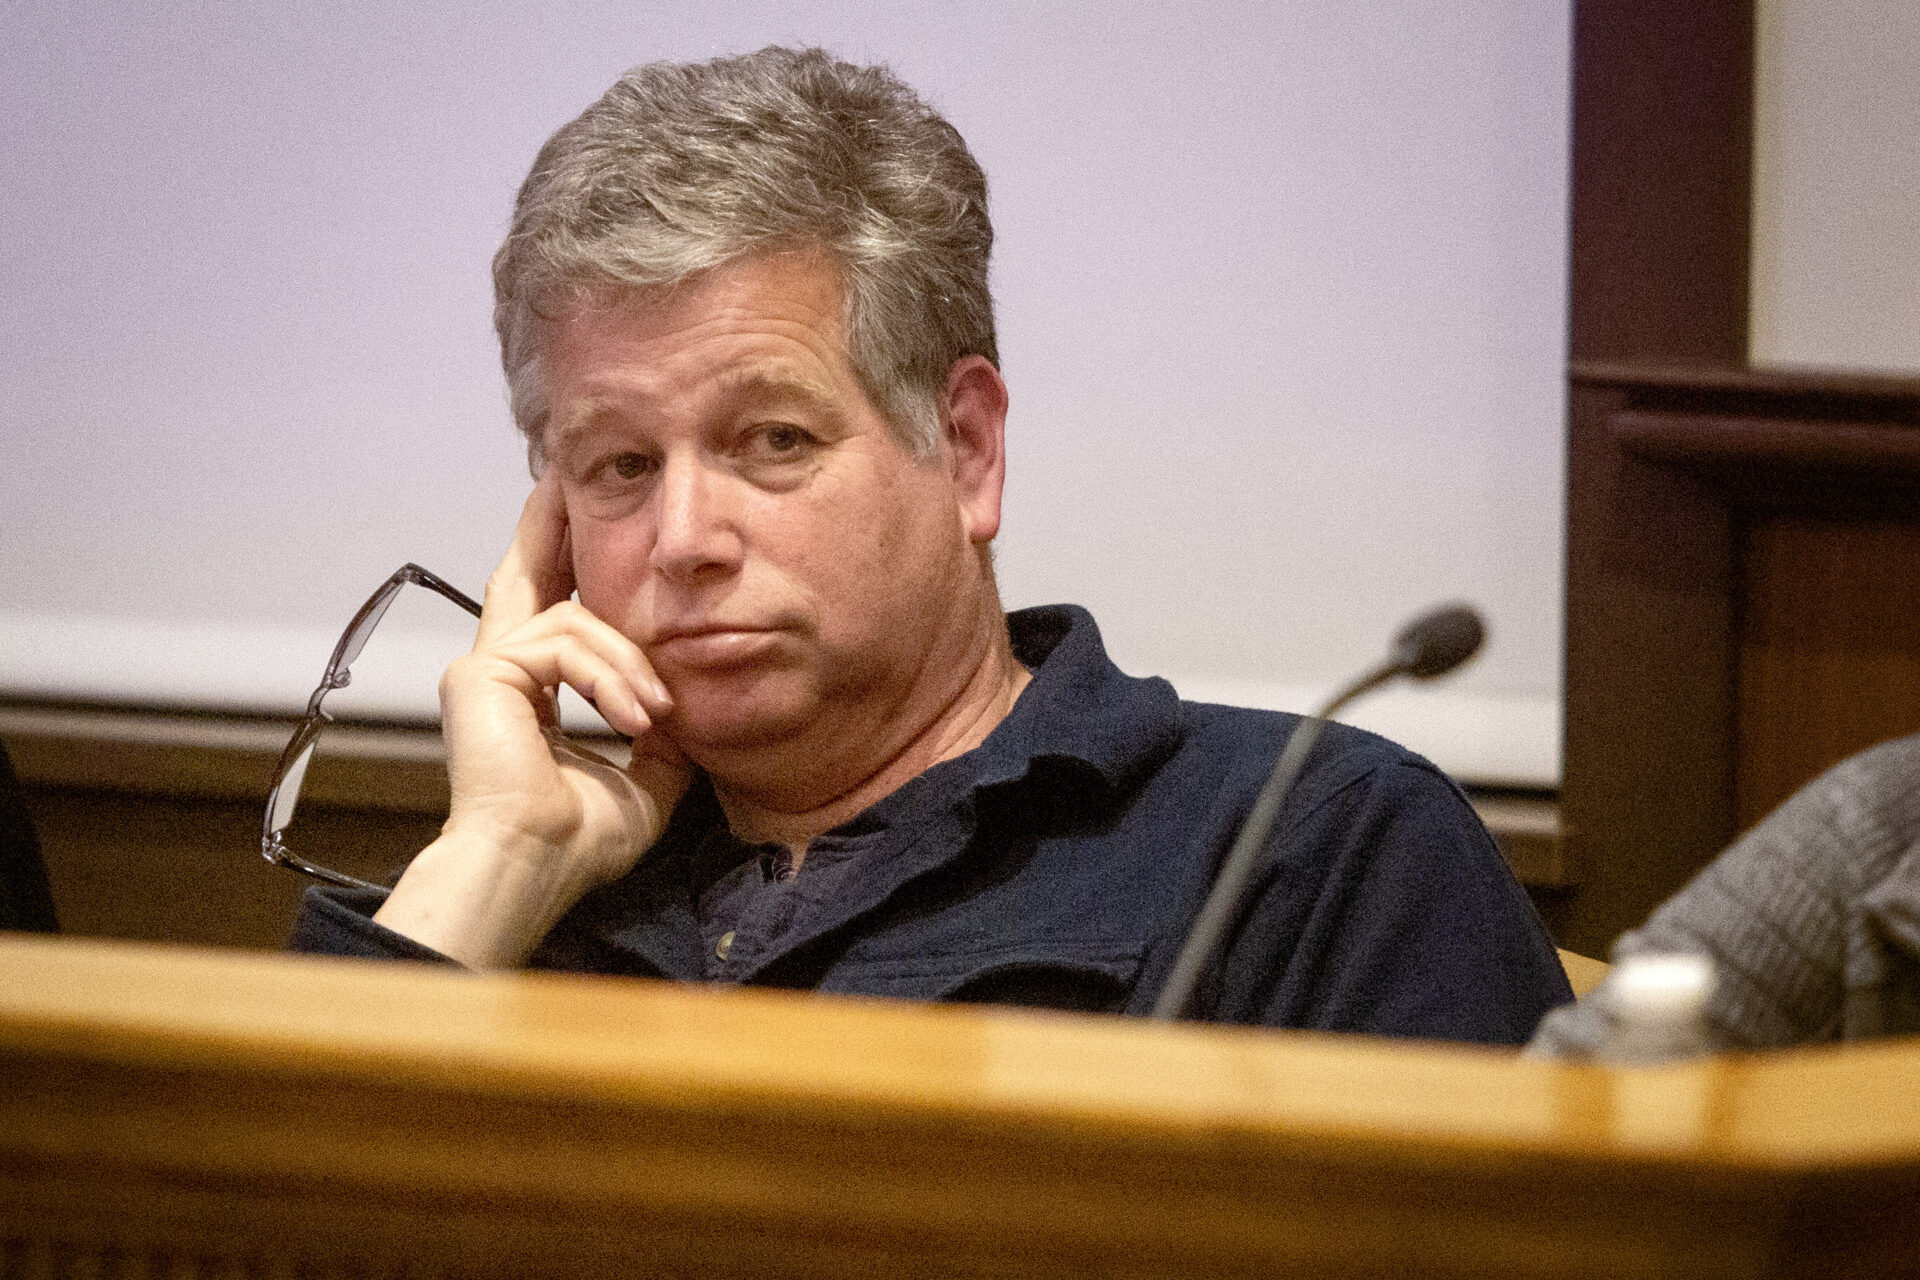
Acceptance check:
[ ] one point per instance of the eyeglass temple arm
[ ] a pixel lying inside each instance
(411, 572)
(277, 854)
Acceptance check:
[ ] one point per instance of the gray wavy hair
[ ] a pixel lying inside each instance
(682, 167)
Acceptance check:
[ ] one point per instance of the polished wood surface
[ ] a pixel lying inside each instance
(1583, 972)
(281, 1115)
(1743, 549)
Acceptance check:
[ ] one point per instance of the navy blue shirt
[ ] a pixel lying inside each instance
(1060, 864)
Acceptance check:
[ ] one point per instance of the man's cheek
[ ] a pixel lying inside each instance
(607, 581)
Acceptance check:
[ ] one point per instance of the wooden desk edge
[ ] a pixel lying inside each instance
(542, 1124)
(584, 1037)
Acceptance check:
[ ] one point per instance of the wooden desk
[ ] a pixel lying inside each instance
(186, 1112)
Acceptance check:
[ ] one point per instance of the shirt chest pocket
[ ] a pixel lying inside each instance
(1088, 975)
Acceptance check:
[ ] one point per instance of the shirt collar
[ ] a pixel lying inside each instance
(1079, 707)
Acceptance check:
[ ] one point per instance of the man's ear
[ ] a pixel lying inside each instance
(975, 419)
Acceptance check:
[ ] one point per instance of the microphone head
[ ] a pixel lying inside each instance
(1438, 641)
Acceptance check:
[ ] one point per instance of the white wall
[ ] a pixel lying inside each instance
(1836, 184)
(1281, 291)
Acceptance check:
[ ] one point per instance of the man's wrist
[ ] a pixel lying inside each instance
(484, 899)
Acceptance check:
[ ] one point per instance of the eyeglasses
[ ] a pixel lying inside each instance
(292, 769)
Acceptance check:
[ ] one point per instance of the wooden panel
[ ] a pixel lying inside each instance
(1740, 569)
(1829, 648)
(1661, 164)
(184, 753)
(189, 870)
(1660, 217)
(150, 821)
(1871, 452)
(1647, 778)
(316, 1116)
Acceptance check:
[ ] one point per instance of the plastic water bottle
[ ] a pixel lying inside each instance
(1658, 1010)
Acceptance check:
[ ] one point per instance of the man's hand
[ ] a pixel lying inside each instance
(536, 821)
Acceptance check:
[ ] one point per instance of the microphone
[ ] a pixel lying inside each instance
(1433, 644)
(1437, 641)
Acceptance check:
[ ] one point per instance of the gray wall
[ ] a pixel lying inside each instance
(1281, 287)
(1836, 184)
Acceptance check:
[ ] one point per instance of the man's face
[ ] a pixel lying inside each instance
(740, 511)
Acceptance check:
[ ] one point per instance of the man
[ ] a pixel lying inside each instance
(744, 315)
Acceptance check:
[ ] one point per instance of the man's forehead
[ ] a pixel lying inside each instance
(751, 379)
(761, 328)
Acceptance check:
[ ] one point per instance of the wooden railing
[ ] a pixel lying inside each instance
(188, 1112)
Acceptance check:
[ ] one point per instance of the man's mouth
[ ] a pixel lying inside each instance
(711, 645)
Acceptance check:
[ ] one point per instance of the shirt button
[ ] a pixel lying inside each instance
(725, 944)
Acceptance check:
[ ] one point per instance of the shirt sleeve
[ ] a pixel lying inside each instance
(1389, 910)
(339, 922)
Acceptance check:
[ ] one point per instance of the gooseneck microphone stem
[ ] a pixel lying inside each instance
(1230, 886)
(1431, 645)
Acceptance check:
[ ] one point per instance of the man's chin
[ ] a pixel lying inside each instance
(709, 723)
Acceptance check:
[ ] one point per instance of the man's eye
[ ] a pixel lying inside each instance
(630, 466)
(783, 438)
(783, 442)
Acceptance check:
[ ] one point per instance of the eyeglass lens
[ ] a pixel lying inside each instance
(287, 795)
(356, 639)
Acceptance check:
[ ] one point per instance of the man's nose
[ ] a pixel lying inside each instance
(698, 532)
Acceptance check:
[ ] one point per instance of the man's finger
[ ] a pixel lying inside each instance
(573, 620)
(570, 659)
(537, 570)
